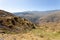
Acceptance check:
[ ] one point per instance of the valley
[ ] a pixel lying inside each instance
(30, 25)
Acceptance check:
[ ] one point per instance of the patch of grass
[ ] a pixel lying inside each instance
(42, 33)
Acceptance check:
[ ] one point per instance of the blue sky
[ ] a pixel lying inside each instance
(29, 5)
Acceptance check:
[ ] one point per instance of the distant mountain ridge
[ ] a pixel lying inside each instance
(54, 17)
(34, 16)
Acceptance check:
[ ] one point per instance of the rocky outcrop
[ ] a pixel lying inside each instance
(12, 23)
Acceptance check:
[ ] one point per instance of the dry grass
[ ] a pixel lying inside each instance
(35, 34)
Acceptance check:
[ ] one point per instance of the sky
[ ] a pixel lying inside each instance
(29, 5)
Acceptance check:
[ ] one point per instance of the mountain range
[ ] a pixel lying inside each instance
(37, 16)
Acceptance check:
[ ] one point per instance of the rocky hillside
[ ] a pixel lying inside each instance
(4, 13)
(12, 23)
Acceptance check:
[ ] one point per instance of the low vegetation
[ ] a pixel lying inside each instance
(14, 24)
(17, 28)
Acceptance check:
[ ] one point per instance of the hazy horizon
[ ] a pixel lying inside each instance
(29, 5)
